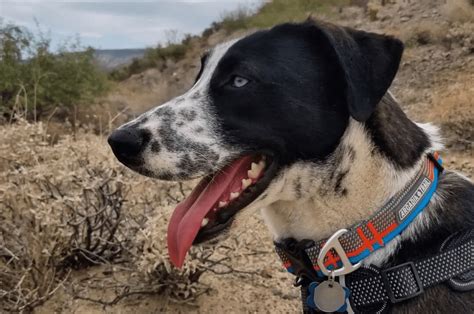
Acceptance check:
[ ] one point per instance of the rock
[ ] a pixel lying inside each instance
(266, 272)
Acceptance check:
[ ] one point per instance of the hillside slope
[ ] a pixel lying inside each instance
(109, 59)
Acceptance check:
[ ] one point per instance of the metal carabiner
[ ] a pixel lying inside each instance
(333, 243)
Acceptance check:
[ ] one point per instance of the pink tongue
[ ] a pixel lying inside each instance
(186, 219)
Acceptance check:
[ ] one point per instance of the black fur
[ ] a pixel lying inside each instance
(306, 80)
(188, 115)
(155, 147)
(369, 62)
(292, 105)
(193, 156)
(395, 136)
(297, 184)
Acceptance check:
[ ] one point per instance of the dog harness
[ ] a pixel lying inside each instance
(329, 271)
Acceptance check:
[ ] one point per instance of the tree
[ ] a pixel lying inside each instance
(14, 40)
(36, 79)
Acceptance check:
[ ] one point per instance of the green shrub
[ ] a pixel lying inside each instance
(35, 79)
(154, 57)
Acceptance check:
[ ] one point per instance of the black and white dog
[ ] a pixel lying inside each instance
(297, 121)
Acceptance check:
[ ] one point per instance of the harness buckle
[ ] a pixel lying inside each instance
(388, 287)
(301, 265)
(333, 243)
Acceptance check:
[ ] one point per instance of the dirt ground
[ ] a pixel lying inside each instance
(434, 84)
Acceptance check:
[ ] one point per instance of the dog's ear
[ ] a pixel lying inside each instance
(369, 63)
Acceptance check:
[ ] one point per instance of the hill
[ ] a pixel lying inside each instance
(109, 59)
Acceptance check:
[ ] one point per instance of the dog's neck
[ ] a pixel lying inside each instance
(314, 200)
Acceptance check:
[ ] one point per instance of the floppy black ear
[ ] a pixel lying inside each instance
(369, 62)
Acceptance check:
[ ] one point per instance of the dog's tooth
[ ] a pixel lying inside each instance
(204, 222)
(223, 204)
(254, 166)
(254, 171)
(262, 164)
(234, 195)
(246, 183)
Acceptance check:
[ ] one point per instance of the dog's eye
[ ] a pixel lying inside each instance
(239, 81)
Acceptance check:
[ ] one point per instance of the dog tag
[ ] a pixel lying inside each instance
(329, 296)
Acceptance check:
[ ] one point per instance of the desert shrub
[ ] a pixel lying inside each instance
(35, 79)
(235, 20)
(459, 10)
(61, 207)
(423, 33)
(53, 216)
(67, 204)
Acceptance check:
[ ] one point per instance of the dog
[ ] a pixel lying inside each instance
(297, 121)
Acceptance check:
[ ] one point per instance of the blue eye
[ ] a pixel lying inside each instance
(239, 81)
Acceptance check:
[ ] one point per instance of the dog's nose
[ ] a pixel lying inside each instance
(127, 143)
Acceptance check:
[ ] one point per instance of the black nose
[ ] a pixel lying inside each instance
(127, 143)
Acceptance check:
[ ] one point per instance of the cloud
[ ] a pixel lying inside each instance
(118, 23)
(90, 35)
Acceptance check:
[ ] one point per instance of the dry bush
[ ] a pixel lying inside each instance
(423, 33)
(461, 38)
(62, 206)
(373, 9)
(459, 10)
(67, 204)
(57, 210)
(451, 108)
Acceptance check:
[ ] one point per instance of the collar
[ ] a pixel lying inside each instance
(344, 250)
(342, 253)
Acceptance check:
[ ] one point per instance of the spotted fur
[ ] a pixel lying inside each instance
(185, 135)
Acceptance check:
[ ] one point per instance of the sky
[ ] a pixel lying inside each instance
(117, 24)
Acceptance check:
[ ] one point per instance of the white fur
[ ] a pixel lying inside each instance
(314, 215)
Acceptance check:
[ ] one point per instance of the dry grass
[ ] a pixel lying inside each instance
(62, 206)
(454, 111)
(60, 209)
(70, 205)
(451, 108)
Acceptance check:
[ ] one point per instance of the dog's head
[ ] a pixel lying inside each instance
(259, 104)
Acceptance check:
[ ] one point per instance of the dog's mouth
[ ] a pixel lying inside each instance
(211, 207)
